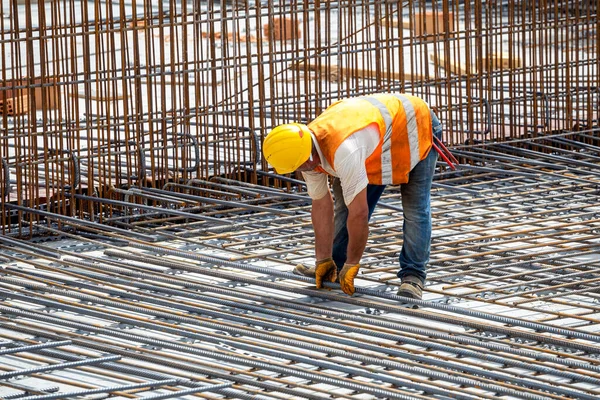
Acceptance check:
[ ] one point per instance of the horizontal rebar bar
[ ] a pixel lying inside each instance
(33, 347)
(31, 371)
(88, 392)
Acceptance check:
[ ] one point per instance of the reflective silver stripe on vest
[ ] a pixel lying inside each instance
(386, 149)
(413, 136)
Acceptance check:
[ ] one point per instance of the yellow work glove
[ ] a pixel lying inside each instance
(347, 275)
(326, 271)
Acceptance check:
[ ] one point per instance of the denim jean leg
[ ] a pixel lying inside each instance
(416, 205)
(340, 233)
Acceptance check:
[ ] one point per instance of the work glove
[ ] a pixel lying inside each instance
(304, 270)
(347, 275)
(326, 271)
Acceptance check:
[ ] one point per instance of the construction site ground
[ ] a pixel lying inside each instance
(511, 307)
(147, 248)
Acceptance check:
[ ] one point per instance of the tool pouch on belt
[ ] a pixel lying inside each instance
(325, 271)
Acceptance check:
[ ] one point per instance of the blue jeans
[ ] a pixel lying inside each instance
(416, 210)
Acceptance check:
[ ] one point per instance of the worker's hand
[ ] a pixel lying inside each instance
(325, 271)
(347, 275)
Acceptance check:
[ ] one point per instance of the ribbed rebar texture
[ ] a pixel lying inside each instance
(510, 309)
(147, 250)
(98, 97)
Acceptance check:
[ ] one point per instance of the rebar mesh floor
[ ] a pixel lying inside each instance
(184, 308)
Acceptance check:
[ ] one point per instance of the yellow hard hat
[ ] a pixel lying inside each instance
(287, 147)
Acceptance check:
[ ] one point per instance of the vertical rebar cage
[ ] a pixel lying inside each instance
(99, 96)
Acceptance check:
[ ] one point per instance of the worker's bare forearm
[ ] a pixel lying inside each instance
(358, 227)
(358, 233)
(322, 220)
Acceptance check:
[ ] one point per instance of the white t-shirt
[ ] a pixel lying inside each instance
(349, 165)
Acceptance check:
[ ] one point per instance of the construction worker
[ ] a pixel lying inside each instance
(363, 144)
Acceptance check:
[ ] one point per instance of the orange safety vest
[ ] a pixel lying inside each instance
(405, 134)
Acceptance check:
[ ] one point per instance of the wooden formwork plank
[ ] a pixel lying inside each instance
(365, 73)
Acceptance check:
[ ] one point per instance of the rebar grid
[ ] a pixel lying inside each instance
(108, 96)
(510, 309)
(162, 245)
